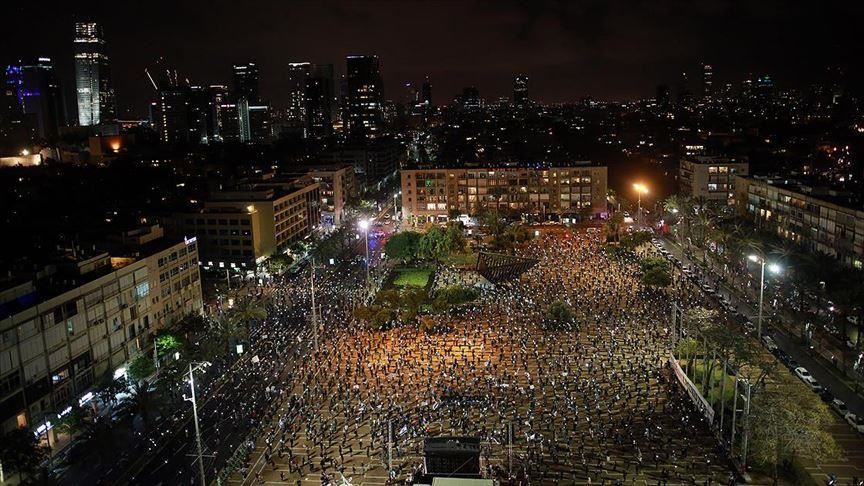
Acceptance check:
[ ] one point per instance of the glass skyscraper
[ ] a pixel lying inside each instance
(92, 76)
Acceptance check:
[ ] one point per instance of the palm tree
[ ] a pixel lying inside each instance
(614, 224)
(249, 309)
(141, 400)
(226, 327)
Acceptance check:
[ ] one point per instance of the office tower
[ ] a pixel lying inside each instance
(246, 82)
(764, 89)
(520, 90)
(218, 96)
(470, 99)
(319, 117)
(707, 81)
(229, 122)
(298, 73)
(426, 92)
(96, 102)
(243, 123)
(37, 91)
(181, 114)
(364, 111)
(259, 130)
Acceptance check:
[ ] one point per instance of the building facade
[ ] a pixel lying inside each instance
(239, 228)
(816, 220)
(431, 194)
(364, 98)
(711, 178)
(37, 89)
(337, 187)
(59, 334)
(95, 94)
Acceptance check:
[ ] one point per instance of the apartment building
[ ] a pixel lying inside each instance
(239, 227)
(83, 315)
(817, 219)
(430, 194)
(711, 178)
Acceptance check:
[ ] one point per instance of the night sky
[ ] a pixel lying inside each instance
(603, 49)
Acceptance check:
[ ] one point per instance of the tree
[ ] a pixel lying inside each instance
(614, 225)
(657, 277)
(72, 421)
(20, 449)
(167, 343)
(433, 244)
(109, 387)
(453, 214)
(278, 263)
(141, 400)
(455, 237)
(493, 222)
(635, 239)
(403, 246)
(226, 328)
(140, 368)
(559, 312)
(249, 309)
(788, 421)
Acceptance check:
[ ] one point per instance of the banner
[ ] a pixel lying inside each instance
(688, 385)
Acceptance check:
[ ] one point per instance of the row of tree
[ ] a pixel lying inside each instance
(786, 420)
(435, 244)
(403, 306)
(707, 229)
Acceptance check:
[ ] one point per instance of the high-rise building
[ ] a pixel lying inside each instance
(470, 99)
(520, 90)
(426, 92)
(38, 93)
(707, 81)
(95, 94)
(298, 73)
(246, 82)
(181, 114)
(364, 110)
(218, 96)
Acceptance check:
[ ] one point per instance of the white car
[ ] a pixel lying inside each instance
(807, 378)
(856, 422)
(839, 406)
(769, 343)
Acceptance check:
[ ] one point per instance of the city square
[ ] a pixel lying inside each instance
(591, 402)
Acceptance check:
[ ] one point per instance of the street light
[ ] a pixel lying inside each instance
(640, 189)
(772, 267)
(197, 366)
(364, 225)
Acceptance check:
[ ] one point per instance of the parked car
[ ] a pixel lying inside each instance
(839, 406)
(769, 343)
(856, 422)
(805, 376)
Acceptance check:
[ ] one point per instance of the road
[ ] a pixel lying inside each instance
(851, 443)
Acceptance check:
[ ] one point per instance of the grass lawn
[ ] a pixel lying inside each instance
(461, 259)
(412, 277)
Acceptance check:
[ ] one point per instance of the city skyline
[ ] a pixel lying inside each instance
(568, 51)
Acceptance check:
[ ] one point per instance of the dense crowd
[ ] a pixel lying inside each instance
(589, 401)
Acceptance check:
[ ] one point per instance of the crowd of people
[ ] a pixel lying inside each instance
(589, 401)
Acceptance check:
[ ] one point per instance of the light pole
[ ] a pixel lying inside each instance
(192, 370)
(395, 210)
(775, 269)
(640, 189)
(364, 225)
